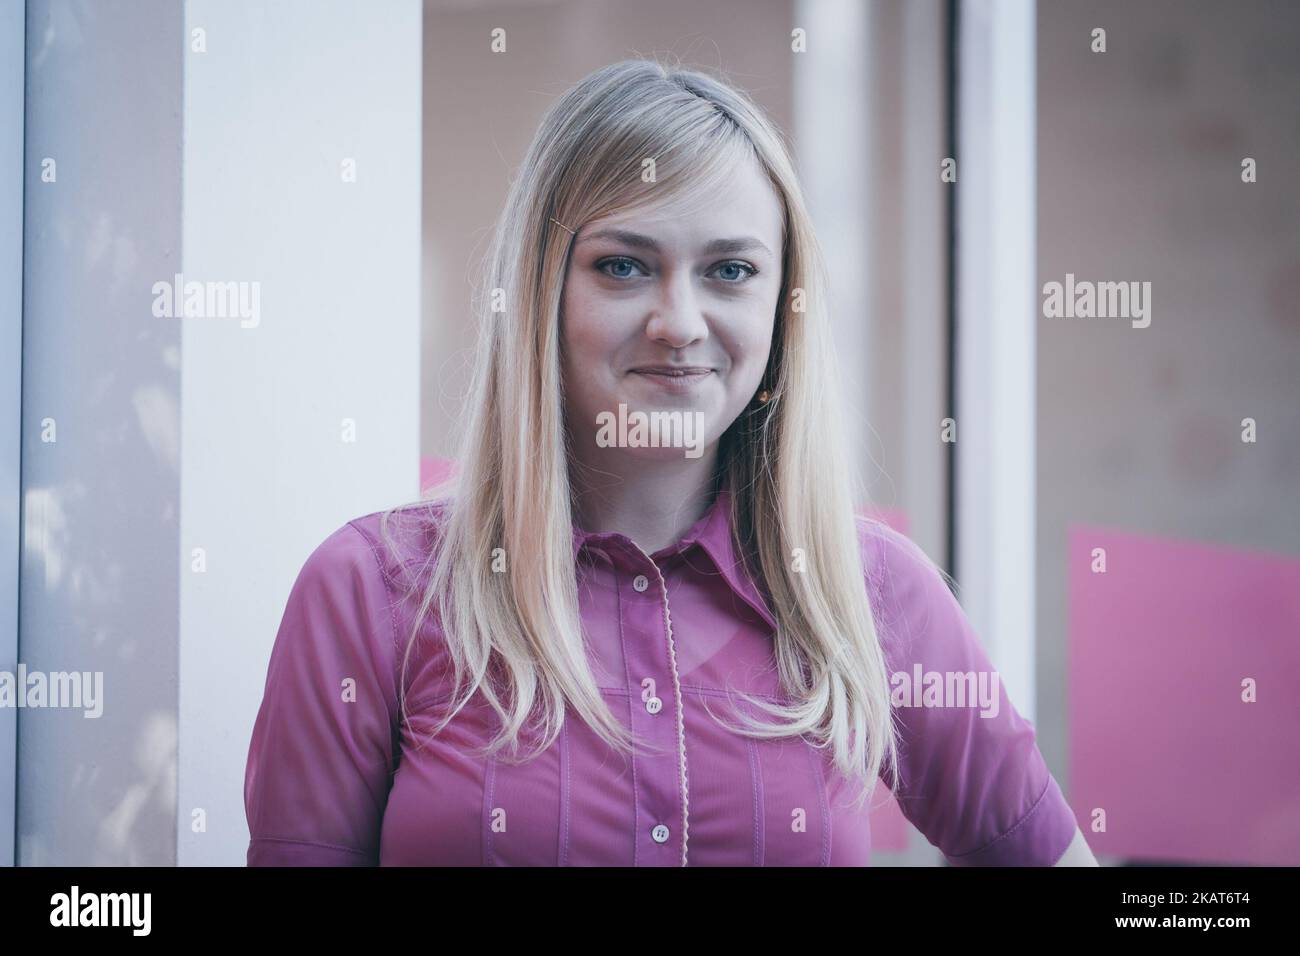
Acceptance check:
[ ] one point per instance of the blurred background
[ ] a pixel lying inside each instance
(1119, 505)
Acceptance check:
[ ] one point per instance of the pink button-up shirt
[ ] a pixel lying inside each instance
(334, 778)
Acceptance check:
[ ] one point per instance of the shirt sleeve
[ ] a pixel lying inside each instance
(321, 757)
(973, 780)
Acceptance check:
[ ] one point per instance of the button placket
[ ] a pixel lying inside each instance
(642, 660)
(676, 690)
(681, 727)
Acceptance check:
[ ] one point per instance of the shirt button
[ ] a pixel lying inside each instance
(654, 705)
(640, 582)
(659, 834)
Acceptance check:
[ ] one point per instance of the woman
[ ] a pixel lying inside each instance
(641, 626)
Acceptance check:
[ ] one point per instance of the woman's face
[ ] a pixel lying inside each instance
(672, 314)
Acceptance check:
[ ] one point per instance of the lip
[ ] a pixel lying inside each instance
(673, 378)
(672, 370)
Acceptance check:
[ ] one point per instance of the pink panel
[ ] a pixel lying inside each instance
(1160, 737)
(893, 517)
(434, 470)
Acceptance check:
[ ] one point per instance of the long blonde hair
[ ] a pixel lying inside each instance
(517, 635)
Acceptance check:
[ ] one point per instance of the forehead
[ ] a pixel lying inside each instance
(745, 204)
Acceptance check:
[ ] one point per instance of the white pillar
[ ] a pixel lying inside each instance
(225, 434)
(310, 417)
(997, 308)
(832, 138)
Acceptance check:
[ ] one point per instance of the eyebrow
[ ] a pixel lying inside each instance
(711, 248)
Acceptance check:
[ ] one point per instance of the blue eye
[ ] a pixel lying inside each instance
(618, 262)
(737, 264)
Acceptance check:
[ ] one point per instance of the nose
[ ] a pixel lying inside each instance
(677, 320)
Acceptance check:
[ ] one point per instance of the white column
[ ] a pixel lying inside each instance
(997, 308)
(309, 416)
(225, 434)
(832, 140)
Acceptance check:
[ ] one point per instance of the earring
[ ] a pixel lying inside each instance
(763, 396)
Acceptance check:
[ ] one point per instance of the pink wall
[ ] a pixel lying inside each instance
(1160, 737)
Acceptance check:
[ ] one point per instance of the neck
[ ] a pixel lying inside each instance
(653, 502)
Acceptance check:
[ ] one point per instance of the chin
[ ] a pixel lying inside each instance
(664, 455)
(662, 431)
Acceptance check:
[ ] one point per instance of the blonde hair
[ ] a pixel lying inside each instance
(517, 636)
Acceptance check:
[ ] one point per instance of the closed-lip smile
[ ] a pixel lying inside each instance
(673, 379)
(673, 371)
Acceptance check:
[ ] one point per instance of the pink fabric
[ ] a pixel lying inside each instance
(332, 781)
(889, 829)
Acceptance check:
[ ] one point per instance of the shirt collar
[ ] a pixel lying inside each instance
(712, 532)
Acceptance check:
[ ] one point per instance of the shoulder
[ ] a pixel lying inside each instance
(973, 779)
(917, 613)
(343, 556)
(349, 601)
(359, 574)
(900, 574)
(400, 541)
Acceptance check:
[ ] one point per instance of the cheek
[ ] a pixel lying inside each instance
(749, 342)
(590, 340)
(588, 345)
(578, 329)
(594, 326)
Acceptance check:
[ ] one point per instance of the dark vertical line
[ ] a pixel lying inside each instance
(952, 64)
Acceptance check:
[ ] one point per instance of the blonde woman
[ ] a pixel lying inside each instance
(643, 625)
